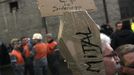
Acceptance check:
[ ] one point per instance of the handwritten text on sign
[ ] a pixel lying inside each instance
(67, 5)
(58, 7)
(88, 47)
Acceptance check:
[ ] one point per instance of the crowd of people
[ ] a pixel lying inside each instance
(118, 49)
(31, 56)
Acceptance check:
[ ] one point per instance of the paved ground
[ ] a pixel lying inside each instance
(63, 67)
(63, 70)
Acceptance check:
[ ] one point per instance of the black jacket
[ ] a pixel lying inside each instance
(106, 29)
(4, 56)
(122, 37)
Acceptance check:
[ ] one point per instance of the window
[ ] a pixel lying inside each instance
(13, 6)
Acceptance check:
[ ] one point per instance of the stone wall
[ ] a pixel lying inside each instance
(24, 22)
(27, 19)
(113, 12)
(99, 15)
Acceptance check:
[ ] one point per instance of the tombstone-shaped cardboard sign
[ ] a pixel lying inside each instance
(58, 7)
(79, 40)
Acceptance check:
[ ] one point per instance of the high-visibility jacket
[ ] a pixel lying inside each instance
(132, 26)
(26, 50)
(18, 56)
(52, 46)
(40, 50)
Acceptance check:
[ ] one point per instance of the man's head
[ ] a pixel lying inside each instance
(118, 25)
(16, 43)
(37, 37)
(24, 40)
(126, 54)
(50, 37)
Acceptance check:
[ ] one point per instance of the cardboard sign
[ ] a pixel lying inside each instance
(80, 44)
(58, 7)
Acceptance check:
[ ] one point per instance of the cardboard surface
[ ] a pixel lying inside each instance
(58, 7)
(80, 44)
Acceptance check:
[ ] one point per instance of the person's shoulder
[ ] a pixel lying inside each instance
(105, 38)
(115, 33)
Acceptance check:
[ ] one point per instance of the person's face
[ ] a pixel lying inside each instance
(24, 41)
(49, 38)
(17, 45)
(119, 26)
(35, 41)
(129, 58)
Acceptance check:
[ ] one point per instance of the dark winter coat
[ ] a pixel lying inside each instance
(106, 29)
(122, 37)
(4, 56)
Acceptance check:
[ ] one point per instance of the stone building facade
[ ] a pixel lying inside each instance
(126, 8)
(27, 20)
(113, 12)
(19, 18)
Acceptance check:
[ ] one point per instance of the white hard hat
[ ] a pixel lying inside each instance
(37, 36)
(13, 40)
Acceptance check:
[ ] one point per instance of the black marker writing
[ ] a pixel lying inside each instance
(87, 47)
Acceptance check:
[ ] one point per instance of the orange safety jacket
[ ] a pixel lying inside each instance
(18, 55)
(26, 51)
(52, 46)
(40, 50)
